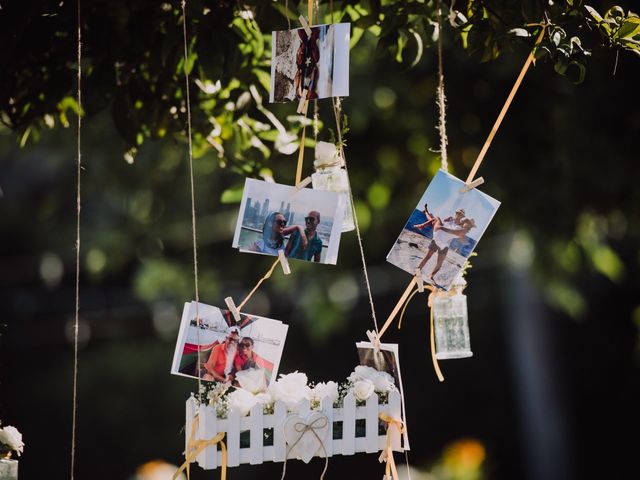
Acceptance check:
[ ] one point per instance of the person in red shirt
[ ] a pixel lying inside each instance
(220, 363)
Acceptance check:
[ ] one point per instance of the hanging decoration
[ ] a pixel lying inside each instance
(245, 413)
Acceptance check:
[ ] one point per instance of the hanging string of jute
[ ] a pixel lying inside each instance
(416, 280)
(441, 99)
(74, 414)
(191, 184)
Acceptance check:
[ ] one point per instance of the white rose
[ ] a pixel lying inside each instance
(12, 438)
(322, 390)
(383, 382)
(252, 380)
(245, 401)
(362, 372)
(290, 389)
(362, 389)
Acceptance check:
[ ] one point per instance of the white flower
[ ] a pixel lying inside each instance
(362, 389)
(322, 390)
(383, 382)
(244, 400)
(252, 380)
(290, 389)
(362, 372)
(12, 438)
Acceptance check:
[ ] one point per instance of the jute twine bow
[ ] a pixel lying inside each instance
(387, 454)
(195, 447)
(303, 428)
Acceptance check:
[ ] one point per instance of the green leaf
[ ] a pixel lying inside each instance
(232, 194)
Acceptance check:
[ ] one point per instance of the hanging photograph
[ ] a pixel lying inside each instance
(443, 230)
(386, 361)
(225, 346)
(305, 224)
(318, 63)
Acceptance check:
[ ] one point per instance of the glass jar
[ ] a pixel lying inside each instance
(8, 469)
(331, 175)
(450, 321)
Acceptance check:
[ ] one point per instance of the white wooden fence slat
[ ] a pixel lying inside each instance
(233, 437)
(395, 411)
(371, 421)
(257, 435)
(279, 444)
(192, 410)
(349, 425)
(209, 429)
(327, 408)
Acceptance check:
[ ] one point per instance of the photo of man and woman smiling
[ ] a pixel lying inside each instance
(305, 224)
(225, 346)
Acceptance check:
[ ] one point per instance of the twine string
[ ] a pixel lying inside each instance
(441, 99)
(193, 196)
(78, 207)
(302, 428)
(337, 111)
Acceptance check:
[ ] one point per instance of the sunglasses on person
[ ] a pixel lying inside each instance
(244, 345)
(310, 219)
(282, 223)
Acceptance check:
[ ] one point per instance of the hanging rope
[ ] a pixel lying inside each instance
(193, 196)
(78, 206)
(337, 111)
(441, 98)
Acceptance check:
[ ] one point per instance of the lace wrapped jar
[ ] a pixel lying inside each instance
(331, 175)
(8, 469)
(450, 321)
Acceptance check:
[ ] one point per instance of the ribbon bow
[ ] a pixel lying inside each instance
(195, 447)
(387, 453)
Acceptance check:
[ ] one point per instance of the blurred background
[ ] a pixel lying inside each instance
(551, 391)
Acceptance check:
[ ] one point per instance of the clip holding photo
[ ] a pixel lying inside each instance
(305, 25)
(303, 183)
(373, 338)
(476, 183)
(284, 262)
(303, 103)
(232, 308)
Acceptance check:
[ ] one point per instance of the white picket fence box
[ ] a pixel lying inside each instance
(257, 422)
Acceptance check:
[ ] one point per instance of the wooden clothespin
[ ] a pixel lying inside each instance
(373, 338)
(232, 308)
(476, 183)
(419, 281)
(284, 262)
(303, 104)
(305, 25)
(303, 183)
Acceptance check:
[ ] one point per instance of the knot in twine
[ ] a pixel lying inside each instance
(195, 447)
(303, 428)
(387, 454)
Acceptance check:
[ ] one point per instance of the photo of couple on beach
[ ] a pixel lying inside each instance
(304, 224)
(216, 347)
(443, 230)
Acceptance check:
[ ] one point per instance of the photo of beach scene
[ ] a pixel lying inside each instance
(443, 230)
(305, 224)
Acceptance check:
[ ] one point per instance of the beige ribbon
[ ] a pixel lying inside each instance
(506, 106)
(195, 447)
(303, 428)
(387, 454)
